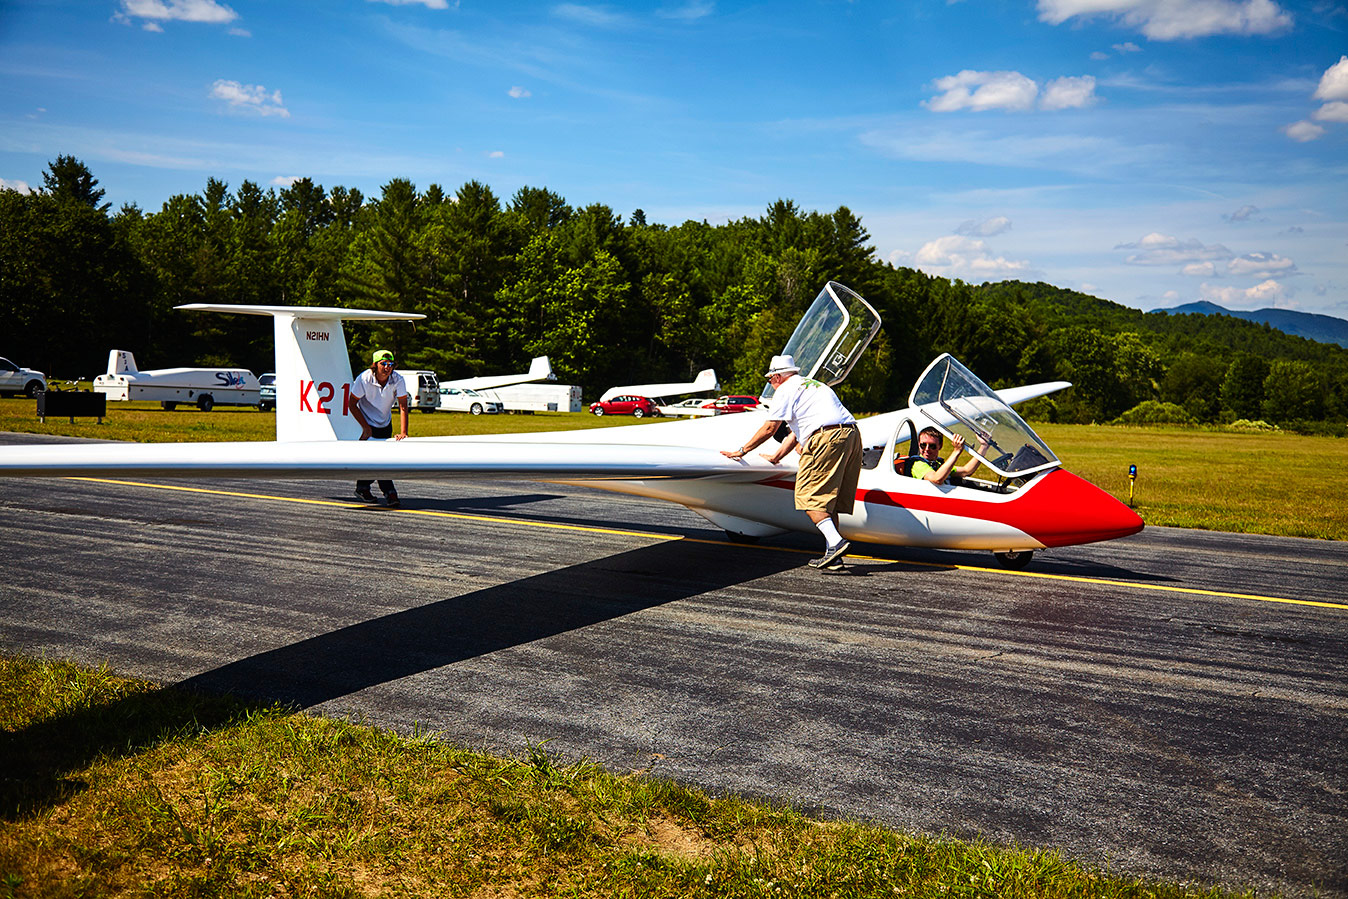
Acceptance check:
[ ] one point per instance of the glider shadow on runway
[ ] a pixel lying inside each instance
(442, 633)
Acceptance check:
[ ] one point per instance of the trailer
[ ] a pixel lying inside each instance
(206, 388)
(539, 398)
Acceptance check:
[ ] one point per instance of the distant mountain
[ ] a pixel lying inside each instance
(1324, 328)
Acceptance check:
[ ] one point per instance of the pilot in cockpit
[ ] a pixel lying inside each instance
(929, 466)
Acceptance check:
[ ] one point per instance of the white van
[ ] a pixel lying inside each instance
(423, 389)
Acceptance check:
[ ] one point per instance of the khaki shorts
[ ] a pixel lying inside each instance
(830, 464)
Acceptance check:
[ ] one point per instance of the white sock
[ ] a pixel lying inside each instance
(830, 531)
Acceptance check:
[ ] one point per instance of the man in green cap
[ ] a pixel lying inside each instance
(372, 395)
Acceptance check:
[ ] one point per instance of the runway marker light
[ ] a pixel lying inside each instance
(1132, 477)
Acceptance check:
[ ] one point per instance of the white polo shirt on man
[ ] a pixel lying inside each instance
(807, 405)
(376, 403)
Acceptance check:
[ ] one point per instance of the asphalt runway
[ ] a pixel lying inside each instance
(1171, 705)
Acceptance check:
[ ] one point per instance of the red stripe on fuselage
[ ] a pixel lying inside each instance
(1058, 509)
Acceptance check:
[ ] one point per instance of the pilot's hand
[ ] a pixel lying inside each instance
(400, 437)
(733, 454)
(956, 445)
(769, 457)
(365, 432)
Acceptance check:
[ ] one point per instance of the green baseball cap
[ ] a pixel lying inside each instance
(382, 356)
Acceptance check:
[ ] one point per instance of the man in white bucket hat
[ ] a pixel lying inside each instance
(830, 450)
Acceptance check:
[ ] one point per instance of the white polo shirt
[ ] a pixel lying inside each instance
(376, 403)
(806, 405)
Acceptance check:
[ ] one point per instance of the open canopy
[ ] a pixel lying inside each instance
(948, 390)
(832, 335)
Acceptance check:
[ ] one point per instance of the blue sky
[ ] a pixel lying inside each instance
(1152, 152)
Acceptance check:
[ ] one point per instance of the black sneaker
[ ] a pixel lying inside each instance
(832, 556)
(365, 496)
(392, 500)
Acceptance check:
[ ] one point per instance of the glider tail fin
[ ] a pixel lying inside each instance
(121, 362)
(313, 368)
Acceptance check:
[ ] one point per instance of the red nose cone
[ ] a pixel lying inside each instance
(1061, 509)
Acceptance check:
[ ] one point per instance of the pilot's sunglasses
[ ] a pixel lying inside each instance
(387, 363)
(930, 445)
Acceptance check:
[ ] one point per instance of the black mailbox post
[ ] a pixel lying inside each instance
(71, 403)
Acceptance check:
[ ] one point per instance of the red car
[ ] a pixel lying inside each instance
(639, 406)
(724, 404)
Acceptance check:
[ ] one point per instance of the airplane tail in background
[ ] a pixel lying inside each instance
(540, 369)
(121, 362)
(313, 368)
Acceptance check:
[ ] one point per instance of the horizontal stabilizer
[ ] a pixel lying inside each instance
(321, 313)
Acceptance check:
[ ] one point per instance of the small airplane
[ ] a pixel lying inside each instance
(1022, 502)
(657, 393)
(540, 369)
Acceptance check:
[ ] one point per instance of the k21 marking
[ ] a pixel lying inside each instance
(314, 397)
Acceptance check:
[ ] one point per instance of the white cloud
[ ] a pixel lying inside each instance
(589, 15)
(1169, 20)
(1242, 214)
(519, 93)
(21, 186)
(1334, 82)
(429, 4)
(954, 256)
(1068, 93)
(688, 12)
(285, 180)
(1303, 131)
(1200, 269)
(986, 228)
(1332, 112)
(1267, 293)
(1261, 265)
(1127, 47)
(207, 11)
(1163, 249)
(250, 98)
(496, 154)
(981, 91)
(154, 27)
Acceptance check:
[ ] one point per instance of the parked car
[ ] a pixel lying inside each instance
(17, 379)
(639, 406)
(463, 399)
(266, 392)
(723, 404)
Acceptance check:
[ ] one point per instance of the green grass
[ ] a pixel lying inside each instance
(1222, 480)
(1242, 481)
(115, 787)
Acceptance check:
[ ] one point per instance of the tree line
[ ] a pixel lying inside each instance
(608, 300)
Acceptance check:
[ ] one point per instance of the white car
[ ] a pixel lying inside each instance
(463, 399)
(17, 379)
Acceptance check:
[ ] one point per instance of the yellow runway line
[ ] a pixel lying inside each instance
(649, 535)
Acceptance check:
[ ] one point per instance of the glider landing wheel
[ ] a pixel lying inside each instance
(205, 402)
(1015, 560)
(745, 539)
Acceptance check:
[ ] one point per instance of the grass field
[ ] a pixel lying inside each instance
(118, 788)
(1247, 482)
